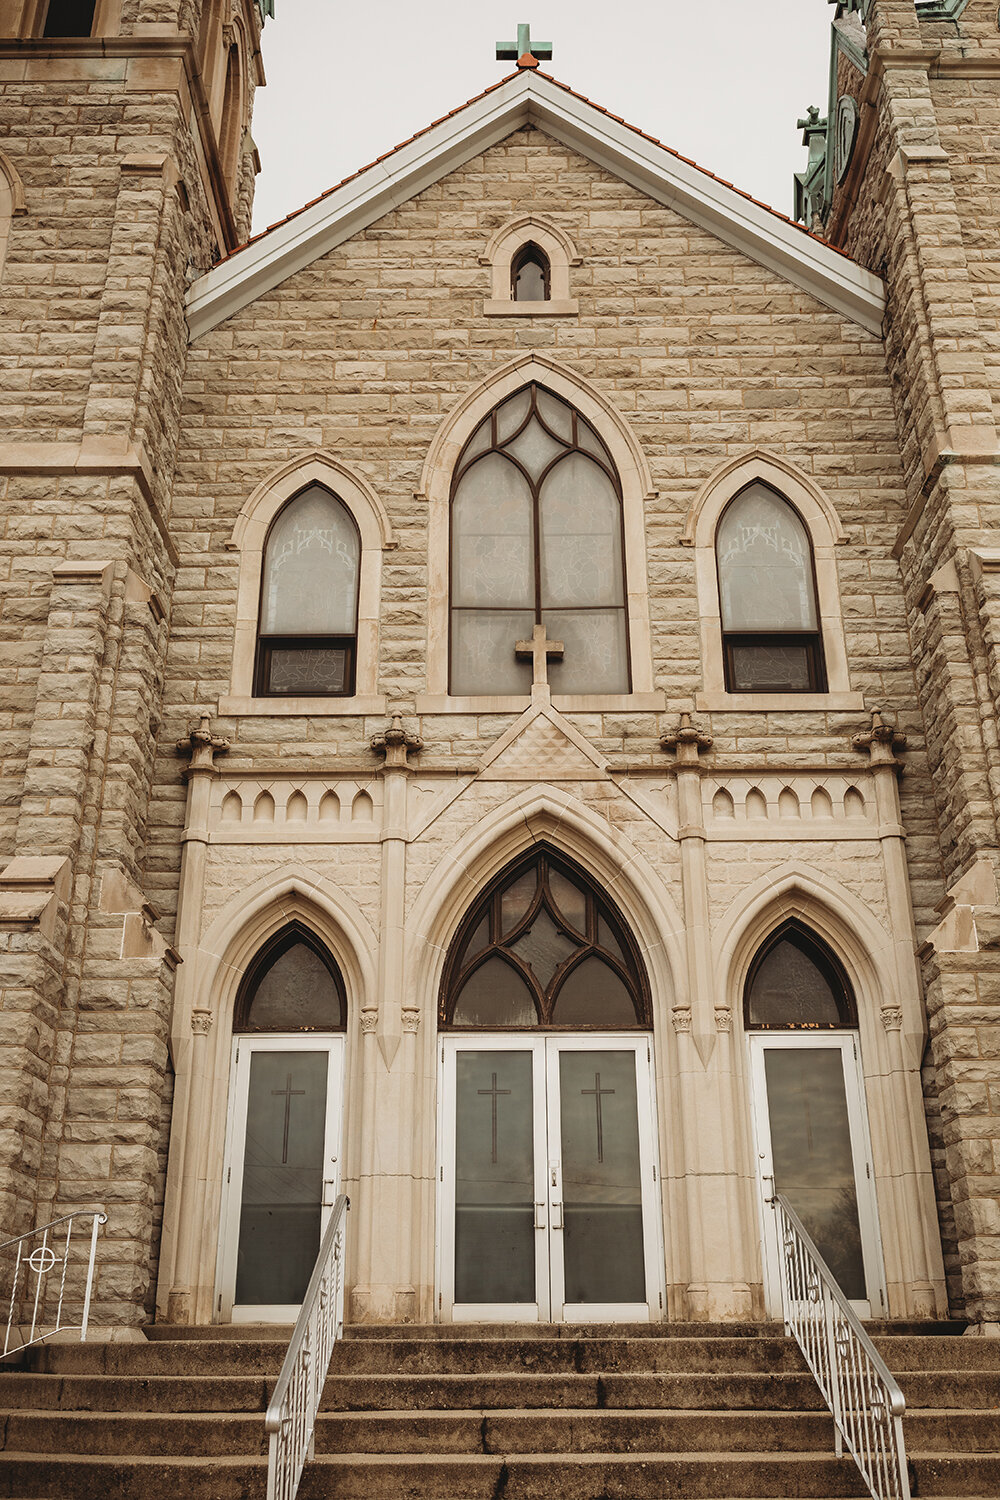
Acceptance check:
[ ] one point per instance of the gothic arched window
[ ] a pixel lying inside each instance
(767, 592)
(530, 277)
(796, 984)
(536, 516)
(542, 947)
(307, 634)
(292, 985)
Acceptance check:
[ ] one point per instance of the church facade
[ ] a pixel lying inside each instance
(500, 690)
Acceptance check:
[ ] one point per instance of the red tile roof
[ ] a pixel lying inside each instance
(573, 93)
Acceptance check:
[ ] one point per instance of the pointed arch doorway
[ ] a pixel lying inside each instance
(284, 1127)
(548, 1177)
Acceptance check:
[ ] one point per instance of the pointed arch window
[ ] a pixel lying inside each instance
(530, 275)
(767, 586)
(307, 634)
(796, 983)
(543, 947)
(537, 539)
(292, 985)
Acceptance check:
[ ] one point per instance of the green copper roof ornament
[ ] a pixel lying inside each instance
(266, 8)
(522, 51)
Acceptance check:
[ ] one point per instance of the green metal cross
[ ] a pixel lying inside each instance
(514, 51)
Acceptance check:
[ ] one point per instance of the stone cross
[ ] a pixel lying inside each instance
(539, 649)
(522, 52)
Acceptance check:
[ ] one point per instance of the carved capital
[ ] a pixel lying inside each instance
(687, 740)
(892, 1017)
(201, 1022)
(202, 746)
(681, 1017)
(881, 741)
(395, 744)
(411, 1020)
(723, 1018)
(369, 1021)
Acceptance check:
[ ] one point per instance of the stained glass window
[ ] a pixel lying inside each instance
(767, 591)
(542, 947)
(292, 985)
(309, 599)
(537, 539)
(796, 983)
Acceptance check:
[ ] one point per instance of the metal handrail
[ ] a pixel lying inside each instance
(866, 1403)
(41, 1262)
(291, 1417)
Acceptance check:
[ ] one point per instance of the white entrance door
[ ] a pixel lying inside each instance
(813, 1146)
(548, 1179)
(281, 1171)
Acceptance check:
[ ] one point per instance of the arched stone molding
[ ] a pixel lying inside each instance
(435, 488)
(910, 1238)
(202, 1057)
(561, 254)
(248, 538)
(11, 201)
(826, 532)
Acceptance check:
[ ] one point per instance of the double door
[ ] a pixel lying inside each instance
(281, 1171)
(548, 1179)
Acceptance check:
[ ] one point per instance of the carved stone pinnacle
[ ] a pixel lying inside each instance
(395, 744)
(881, 741)
(202, 745)
(687, 740)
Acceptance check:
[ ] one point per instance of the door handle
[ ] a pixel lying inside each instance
(329, 1192)
(768, 1178)
(540, 1210)
(560, 1208)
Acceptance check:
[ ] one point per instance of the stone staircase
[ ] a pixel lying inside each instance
(487, 1413)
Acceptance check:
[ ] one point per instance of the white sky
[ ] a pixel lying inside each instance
(722, 81)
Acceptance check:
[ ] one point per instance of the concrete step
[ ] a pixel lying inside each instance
(938, 1353)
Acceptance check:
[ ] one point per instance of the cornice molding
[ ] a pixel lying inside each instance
(528, 98)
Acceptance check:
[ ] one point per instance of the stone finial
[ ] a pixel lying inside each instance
(202, 746)
(395, 744)
(881, 741)
(687, 740)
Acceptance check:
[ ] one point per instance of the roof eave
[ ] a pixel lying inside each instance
(780, 246)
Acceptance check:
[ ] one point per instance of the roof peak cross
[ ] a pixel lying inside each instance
(521, 51)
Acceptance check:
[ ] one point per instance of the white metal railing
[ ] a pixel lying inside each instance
(291, 1417)
(37, 1307)
(866, 1402)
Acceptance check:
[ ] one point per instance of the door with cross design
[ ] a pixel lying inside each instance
(548, 1180)
(281, 1171)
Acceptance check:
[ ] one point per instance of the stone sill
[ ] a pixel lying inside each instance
(553, 309)
(572, 703)
(290, 708)
(812, 703)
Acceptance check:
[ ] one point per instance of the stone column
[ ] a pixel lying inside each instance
(187, 1173)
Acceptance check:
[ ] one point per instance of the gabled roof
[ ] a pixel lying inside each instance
(531, 97)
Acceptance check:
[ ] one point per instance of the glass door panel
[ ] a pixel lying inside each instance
(812, 1157)
(602, 1244)
(494, 1178)
(282, 1194)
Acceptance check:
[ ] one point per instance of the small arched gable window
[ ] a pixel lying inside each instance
(69, 18)
(307, 638)
(767, 592)
(537, 538)
(542, 947)
(231, 128)
(292, 985)
(530, 276)
(796, 984)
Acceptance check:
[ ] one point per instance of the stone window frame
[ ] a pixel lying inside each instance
(825, 533)
(249, 538)
(12, 202)
(637, 490)
(107, 19)
(499, 255)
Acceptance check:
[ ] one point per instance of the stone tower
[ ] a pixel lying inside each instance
(907, 186)
(125, 125)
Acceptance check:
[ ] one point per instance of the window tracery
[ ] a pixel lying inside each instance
(537, 540)
(543, 948)
(530, 275)
(796, 984)
(292, 985)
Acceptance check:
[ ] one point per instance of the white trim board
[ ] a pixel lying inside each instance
(525, 98)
